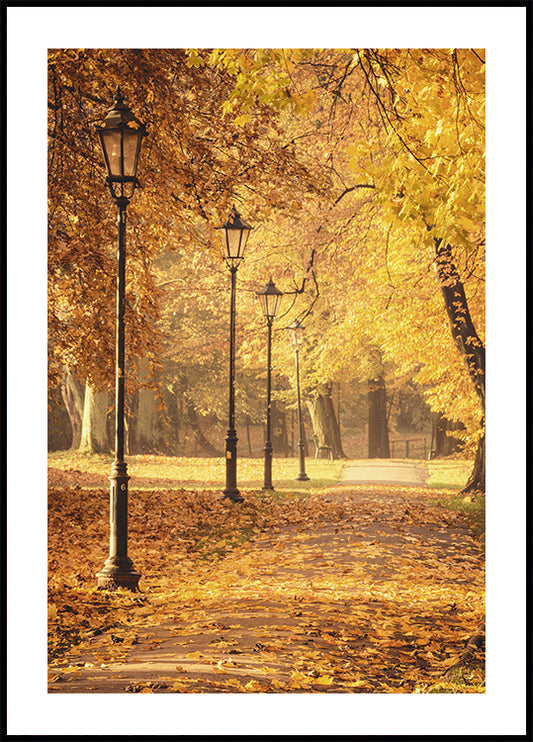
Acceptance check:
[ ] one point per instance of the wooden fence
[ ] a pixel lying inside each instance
(416, 448)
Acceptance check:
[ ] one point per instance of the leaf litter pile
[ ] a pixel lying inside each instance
(346, 590)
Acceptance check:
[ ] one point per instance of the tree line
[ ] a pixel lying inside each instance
(362, 172)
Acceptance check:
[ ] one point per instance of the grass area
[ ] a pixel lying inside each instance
(449, 474)
(198, 473)
(452, 474)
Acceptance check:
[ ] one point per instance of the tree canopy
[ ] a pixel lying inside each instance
(363, 174)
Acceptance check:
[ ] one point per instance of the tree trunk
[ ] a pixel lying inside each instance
(476, 481)
(325, 425)
(73, 394)
(59, 429)
(148, 423)
(467, 341)
(94, 437)
(443, 444)
(378, 429)
(200, 438)
(148, 430)
(280, 441)
(130, 423)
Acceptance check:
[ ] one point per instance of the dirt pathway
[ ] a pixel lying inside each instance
(357, 594)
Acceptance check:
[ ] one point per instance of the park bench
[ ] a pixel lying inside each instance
(322, 449)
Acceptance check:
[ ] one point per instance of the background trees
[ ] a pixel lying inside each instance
(362, 172)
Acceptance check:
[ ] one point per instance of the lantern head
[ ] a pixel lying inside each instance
(235, 237)
(270, 298)
(120, 137)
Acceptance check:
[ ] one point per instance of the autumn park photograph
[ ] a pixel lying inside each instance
(266, 333)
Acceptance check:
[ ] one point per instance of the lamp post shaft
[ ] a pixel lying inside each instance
(120, 344)
(232, 351)
(302, 476)
(268, 444)
(231, 490)
(118, 570)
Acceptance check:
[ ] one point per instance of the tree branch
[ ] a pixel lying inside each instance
(353, 188)
(381, 107)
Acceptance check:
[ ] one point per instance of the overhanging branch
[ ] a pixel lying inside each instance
(353, 188)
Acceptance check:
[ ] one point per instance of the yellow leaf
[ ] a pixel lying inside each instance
(298, 676)
(255, 687)
(358, 684)
(241, 120)
(266, 670)
(325, 680)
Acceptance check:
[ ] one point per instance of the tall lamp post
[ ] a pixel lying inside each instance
(297, 335)
(235, 236)
(120, 137)
(270, 299)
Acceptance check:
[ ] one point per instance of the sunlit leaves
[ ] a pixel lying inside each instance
(342, 160)
(353, 593)
(195, 162)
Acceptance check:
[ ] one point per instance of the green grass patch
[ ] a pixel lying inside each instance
(448, 474)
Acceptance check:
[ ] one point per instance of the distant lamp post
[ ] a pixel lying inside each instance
(296, 330)
(270, 299)
(235, 237)
(120, 137)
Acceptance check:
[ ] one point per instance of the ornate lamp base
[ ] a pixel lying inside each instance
(233, 495)
(118, 573)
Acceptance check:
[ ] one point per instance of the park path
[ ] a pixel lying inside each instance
(392, 472)
(356, 594)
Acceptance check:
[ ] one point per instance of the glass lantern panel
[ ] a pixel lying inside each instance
(235, 242)
(111, 144)
(245, 233)
(264, 304)
(132, 141)
(274, 302)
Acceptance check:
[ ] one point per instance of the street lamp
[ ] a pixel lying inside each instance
(270, 299)
(120, 138)
(236, 232)
(297, 335)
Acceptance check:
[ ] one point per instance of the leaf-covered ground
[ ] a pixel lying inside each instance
(363, 589)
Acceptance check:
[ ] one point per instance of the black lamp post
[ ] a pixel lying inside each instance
(236, 232)
(120, 137)
(297, 335)
(270, 298)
